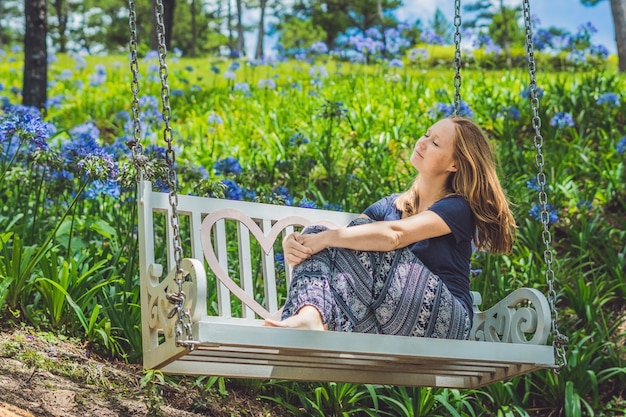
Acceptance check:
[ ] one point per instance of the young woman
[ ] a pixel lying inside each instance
(403, 267)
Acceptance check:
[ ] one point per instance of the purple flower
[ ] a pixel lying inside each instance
(98, 166)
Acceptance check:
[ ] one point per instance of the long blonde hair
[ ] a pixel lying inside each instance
(477, 181)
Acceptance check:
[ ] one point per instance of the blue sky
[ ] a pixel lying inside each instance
(566, 14)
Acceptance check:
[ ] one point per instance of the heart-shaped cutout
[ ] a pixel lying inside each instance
(266, 242)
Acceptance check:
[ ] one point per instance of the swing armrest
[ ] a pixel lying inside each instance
(523, 316)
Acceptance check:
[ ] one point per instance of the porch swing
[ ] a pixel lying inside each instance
(180, 337)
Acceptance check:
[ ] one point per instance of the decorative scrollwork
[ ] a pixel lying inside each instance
(159, 307)
(523, 316)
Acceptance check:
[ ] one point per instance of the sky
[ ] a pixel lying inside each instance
(566, 14)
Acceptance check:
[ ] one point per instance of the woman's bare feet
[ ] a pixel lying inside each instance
(308, 318)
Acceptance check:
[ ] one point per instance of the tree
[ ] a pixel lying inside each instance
(297, 35)
(10, 11)
(502, 24)
(61, 12)
(334, 17)
(168, 21)
(441, 26)
(618, 10)
(35, 55)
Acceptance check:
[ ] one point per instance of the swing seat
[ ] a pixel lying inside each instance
(506, 340)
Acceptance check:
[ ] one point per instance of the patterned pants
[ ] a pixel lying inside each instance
(376, 292)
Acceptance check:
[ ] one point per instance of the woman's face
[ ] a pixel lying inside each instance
(434, 151)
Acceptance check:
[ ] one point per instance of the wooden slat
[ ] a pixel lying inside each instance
(245, 267)
(269, 272)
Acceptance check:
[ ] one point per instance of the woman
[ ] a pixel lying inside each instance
(403, 267)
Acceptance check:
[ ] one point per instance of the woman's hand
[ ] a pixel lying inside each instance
(294, 251)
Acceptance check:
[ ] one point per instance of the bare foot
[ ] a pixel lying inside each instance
(308, 318)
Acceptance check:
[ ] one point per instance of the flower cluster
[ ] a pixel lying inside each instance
(21, 124)
(561, 120)
(536, 212)
(226, 166)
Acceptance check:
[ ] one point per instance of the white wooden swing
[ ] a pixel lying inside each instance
(180, 337)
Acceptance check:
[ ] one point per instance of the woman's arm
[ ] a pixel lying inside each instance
(380, 235)
(293, 249)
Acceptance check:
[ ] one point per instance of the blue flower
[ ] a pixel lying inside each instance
(584, 205)
(97, 188)
(233, 191)
(215, 69)
(431, 38)
(269, 83)
(306, 203)
(621, 146)
(279, 260)
(243, 87)
(227, 166)
(283, 193)
(248, 194)
(319, 48)
(561, 120)
(298, 139)
(447, 110)
(532, 184)
(396, 63)
(526, 92)
(611, 99)
(24, 123)
(509, 112)
(234, 66)
(553, 216)
(229, 75)
(332, 207)
(214, 118)
(98, 166)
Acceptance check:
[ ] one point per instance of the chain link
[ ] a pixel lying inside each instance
(139, 159)
(559, 341)
(183, 318)
(457, 57)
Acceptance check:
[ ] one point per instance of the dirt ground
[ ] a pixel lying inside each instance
(42, 375)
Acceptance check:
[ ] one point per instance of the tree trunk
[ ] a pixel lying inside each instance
(62, 10)
(618, 10)
(35, 54)
(168, 22)
(261, 34)
(229, 23)
(194, 28)
(507, 35)
(1, 41)
(240, 44)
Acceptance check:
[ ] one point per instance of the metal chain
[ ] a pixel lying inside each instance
(559, 341)
(183, 317)
(139, 158)
(457, 57)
